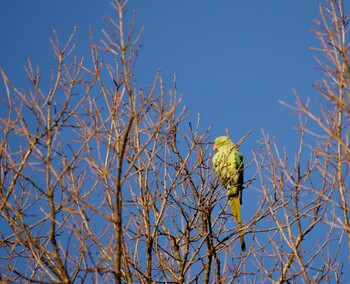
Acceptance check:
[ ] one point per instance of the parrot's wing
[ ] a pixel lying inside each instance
(240, 171)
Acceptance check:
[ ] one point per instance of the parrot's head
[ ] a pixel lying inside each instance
(222, 141)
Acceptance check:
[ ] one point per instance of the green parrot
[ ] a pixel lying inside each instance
(228, 165)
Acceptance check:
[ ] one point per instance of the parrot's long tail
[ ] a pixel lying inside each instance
(236, 211)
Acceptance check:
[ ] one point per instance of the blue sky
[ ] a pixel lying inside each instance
(234, 59)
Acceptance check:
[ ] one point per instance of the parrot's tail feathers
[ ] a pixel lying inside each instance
(241, 236)
(236, 208)
(242, 243)
(235, 203)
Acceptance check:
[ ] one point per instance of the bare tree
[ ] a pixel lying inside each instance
(106, 181)
(306, 197)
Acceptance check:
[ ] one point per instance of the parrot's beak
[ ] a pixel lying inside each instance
(214, 148)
